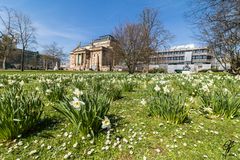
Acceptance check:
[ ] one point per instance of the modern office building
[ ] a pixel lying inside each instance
(187, 57)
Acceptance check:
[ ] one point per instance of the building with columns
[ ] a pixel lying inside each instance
(96, 56)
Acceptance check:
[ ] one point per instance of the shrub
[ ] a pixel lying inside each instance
(128, 85)
(170, 106)
(187, 86)
(178, 70)
(19, 112)
(86, 112)
(221, 103)
(158, 70)
(209, 70)
(114, 91)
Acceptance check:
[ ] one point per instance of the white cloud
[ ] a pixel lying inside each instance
(187, 46)
(67, 37)
(44, 31)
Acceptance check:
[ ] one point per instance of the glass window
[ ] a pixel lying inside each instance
(209, 57)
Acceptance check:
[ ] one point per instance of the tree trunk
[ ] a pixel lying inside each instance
(4, 62)
(235, 66)
(98, 66)
(46, 65)
(22, 59)
(147, 67)
(131, 69)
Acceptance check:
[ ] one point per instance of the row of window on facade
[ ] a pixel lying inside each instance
(201, 57)
(168, 58)
(181, 58)
(183, 52)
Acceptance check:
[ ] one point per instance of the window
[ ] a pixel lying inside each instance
(209, 57)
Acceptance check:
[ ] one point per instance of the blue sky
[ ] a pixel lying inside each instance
(69, 22)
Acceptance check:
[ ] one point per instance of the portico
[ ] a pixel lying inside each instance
(96, 56)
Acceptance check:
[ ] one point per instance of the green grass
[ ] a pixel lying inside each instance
(150, 137)
(53, 72)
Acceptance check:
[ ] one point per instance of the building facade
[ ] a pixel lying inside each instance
(183, 57)
(99, 56)
(32, 61)
(96, 56)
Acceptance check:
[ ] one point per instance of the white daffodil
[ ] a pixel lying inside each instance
(106, 124)
(166, 89)
(77, 92)
(75, 145)
(162, 82)
(157, 88)
(208, 110)
(21, 83)
(20, 143)
(66, 156)
(237, 77)
(76, 103)
(10, 82)
(226, 91)
(48, 91)
(32, 152)
(143, 102)
(191, 99)
(205, 88)
(90, 152)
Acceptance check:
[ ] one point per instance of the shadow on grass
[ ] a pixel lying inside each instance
(42, 127)
(118, 98)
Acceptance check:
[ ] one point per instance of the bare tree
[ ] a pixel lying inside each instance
(55, 52)
(218, 22)
(130, 45)
(7, 35)
(155, 36)
(25, 32)
(137, 42)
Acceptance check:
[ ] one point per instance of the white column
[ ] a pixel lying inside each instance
(76, 59)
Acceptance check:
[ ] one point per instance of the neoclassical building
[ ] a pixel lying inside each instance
(96, 56)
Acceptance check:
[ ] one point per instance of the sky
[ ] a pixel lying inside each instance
(70, 22)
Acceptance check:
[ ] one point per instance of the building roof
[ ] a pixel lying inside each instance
(103, 38)
(182, 48)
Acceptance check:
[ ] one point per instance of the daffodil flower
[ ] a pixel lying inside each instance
(106, 124)
(76, 103)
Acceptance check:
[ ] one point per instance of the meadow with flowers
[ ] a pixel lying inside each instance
(75, 115)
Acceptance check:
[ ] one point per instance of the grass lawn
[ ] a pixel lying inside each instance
(134, 133)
